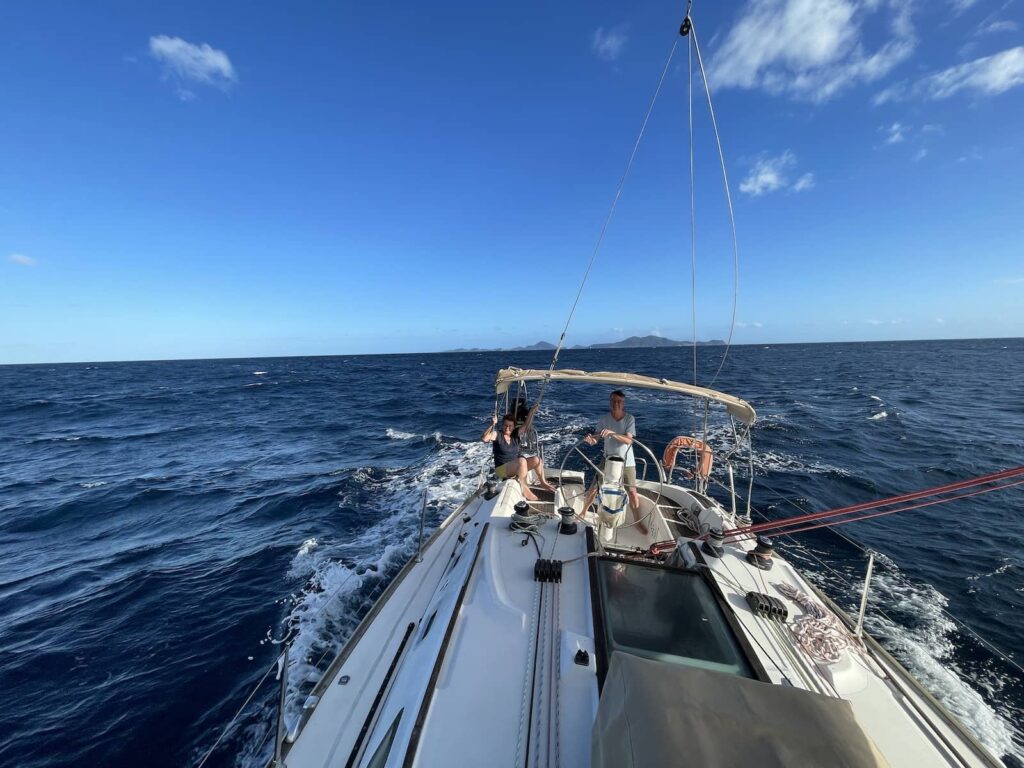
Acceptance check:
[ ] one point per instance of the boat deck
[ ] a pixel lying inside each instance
(472, 661)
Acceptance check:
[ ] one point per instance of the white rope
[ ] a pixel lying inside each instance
(818, 632)
(607, 221)
(728, 199)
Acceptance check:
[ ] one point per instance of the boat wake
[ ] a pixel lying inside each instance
(338, 580)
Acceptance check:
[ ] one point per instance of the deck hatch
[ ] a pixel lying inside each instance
(666, 615)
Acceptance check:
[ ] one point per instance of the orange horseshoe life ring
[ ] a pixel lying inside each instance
(668, 460)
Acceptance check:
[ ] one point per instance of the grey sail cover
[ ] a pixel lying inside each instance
(657, 714)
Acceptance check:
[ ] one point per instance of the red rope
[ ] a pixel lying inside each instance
(750, 536)
(776, 524)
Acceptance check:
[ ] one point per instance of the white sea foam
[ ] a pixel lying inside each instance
(343, 578)
(397, 434)
(926, 648)
(257, 384)
(767, 462)
(876, 397)
(93, 484)
(879, 415)
(308, 546)
(306, 559)
(260, 373)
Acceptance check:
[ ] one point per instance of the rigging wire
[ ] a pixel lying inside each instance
(728, 200)
(693, 207)
(607, 221)
(869, 505)
(995, 649)
(883, 513)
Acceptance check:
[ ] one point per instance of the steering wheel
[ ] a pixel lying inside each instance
(589, 465)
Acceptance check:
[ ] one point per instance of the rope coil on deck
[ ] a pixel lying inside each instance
(818, 632)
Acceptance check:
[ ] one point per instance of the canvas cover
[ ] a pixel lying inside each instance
(741, 409)
(652, 714)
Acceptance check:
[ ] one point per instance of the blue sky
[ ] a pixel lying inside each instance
(235, 179)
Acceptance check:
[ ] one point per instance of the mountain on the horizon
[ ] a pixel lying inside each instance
(649, 341)
(633, 342)
(538, 345)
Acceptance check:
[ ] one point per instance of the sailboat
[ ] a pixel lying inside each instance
(533, 628)
(543, 633)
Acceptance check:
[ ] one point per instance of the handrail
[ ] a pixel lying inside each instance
(644, 475)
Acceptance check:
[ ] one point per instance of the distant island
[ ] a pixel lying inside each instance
(633, 342)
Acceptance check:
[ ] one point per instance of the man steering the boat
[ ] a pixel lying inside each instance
(509, 460)
(618, 429)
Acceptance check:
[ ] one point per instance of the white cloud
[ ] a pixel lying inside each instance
(21, 258)
(608, 45)
(804, 182)
(989, 75)
(959, 6)
(184, 62)
(873, 322)
(895, 133)
(810, 49)
(920, 155)
(770, 174)
(994, 27)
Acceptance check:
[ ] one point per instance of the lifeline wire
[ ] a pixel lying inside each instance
(607, 220)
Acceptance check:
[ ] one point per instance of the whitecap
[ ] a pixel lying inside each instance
(94, 484)
(306, 560)
(875, 397)
(397, 434)
(260, 373)
(927, 651)
(879, 415)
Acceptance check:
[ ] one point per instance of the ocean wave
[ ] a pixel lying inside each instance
(878, 416)
(397, 434)
(343, 579)
(916, 629)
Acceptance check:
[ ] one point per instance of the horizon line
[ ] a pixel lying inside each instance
(495, 351)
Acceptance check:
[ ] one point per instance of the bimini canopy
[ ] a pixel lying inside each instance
(740, 409)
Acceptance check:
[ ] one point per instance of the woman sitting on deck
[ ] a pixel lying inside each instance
(508, 456)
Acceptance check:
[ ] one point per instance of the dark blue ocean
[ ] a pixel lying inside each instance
(164, 524)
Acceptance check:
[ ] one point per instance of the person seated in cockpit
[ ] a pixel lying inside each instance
(510, 460)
